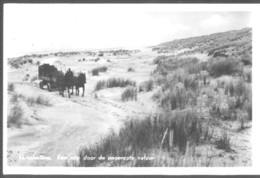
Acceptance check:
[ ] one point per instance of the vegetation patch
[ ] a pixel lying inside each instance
(15, 116)
(146, 86)
(130, 93)
(149, 136)
(96, 71)
(10, 87)
(130, 69)
(114, 82)
(224, 66)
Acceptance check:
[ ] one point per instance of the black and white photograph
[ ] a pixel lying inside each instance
(112, 85)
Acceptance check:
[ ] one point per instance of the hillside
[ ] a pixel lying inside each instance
(230, 43)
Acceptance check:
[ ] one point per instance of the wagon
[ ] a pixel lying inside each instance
(50, 73)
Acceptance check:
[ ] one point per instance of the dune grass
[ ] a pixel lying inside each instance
(39, 100)
(130, 93)
(146, 86)
(11, 87)
(15, 116)
(114, 82)
(97, 70)
(153, 134)
(224, 66)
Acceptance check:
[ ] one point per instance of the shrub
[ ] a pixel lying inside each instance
(100, 85)
(130, 69)
(157, 94)
(238, 88)
(15, 116)
(129, 93)
(178, 98)
(224, 142)
(98, 69)
(172, 64)
(191, 82)
(39, 100)
(10, 87)
(15, 97)
(246, 61)
(248, 76)
(30, 61)
(248, 108)
(196, 68)
(95, 72)
(146, 86)
(152, 134)
(158, 59)
(114, 82)
(224, 66)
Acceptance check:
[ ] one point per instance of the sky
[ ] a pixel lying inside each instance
(38, 28)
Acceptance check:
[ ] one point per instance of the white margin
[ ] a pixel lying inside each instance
(255, 169)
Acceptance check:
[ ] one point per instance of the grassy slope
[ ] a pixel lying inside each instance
(203, 109)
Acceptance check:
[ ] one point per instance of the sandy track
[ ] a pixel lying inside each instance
(72, 122)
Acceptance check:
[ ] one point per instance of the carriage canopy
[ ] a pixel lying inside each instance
(55, 62)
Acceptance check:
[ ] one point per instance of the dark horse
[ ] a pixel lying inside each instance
(65, 81)
(68, 81)
(79, 82)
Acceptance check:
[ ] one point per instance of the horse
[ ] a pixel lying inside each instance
(80, 83)
(66, 81)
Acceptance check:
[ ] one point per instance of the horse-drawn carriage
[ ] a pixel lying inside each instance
(52, 74)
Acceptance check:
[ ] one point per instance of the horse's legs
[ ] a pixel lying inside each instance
(68, 88)
(76, 88)
(72, 87)
(83, 87)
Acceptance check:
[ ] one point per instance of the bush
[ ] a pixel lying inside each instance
(130, 69)
(248, 108)
(95, 72)
(158, 59)
(129, 93)
(100, 85)
(98, 69)
(146, 136)
(15, 116)
(146, 86)
(178, 98)
(246, 61)
(196, 68)
(248, 76)
(224, 142)
(30, 61)
(10, 87)
(40, 100)
(224, 66)
(114, 82)
(170, 64)
(238, 88)
(15, 97)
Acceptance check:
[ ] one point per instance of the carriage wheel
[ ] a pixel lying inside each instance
(49, 86)
(41, 85)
